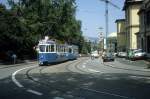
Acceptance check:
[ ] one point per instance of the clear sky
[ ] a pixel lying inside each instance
(92, 15)
(3, 1)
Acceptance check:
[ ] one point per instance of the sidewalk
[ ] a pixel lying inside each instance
(119, 65)
(139, 63)
(23, 62)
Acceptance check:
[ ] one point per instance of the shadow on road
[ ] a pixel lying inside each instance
(77, 86)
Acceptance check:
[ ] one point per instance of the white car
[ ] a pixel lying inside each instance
(122, 54)
(139, 54)
(95, 54)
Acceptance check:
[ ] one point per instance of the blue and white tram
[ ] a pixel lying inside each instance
(72, 52)
(51, 52)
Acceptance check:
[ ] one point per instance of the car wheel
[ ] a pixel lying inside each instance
(45, 63)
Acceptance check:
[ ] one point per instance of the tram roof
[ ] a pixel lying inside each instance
(47, 42)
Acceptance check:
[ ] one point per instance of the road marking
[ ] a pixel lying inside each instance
(20, 85)
(58, 98)
(83, 66)
(84, 63)
(107, 93)
(93, 70)
(14, 74)
(34, 92)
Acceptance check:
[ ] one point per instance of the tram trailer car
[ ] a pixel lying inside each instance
(51, 52)
(72, 52)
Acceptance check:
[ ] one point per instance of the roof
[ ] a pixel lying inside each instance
(118, 20)
(46, 42)
(131, 2)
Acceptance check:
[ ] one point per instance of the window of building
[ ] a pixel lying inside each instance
(148, 18)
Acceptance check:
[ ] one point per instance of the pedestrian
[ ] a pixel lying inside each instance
(14, 57)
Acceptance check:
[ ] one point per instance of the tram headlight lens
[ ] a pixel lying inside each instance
(42, 57)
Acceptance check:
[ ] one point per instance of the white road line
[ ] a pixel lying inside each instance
(34, 92)
(107, 93)
(14, 74)
(88, 60)
(58, 98)
(84, 63)
(83, 66)
(93, 70)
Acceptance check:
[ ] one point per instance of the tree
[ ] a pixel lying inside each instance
(28, 21)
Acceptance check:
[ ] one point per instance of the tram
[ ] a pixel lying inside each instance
(72, 52)
(51, 52)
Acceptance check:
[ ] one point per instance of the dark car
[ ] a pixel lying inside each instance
(108, 57)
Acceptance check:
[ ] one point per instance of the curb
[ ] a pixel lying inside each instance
(19, 64)
(131, 69)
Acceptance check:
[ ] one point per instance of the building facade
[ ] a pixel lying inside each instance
(131, 8)
(144, 33)
(121, 35)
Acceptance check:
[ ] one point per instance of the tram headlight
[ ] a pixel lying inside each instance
(42, 57)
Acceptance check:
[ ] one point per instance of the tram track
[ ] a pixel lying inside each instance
(45, 82)
(42, 74)
(70, 67)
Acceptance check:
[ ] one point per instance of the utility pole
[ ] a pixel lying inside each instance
(107, 20)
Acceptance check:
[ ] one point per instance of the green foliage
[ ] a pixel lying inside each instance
(28, 21)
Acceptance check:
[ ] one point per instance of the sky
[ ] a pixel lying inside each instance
(3, 1)
(92, 15)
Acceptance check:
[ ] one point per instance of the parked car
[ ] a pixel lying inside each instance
(115, 54)
(138, 54)
(108, 57)
(122, 54)
(95, 54)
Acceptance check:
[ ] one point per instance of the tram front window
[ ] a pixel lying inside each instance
(42, 48)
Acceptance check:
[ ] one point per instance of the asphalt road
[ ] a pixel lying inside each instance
(79, 79)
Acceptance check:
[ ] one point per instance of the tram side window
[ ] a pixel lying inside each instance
(70, 50)
(61, 48)
(42, 48)
(47, 48)
(66, 49)
(57, 47)
(52, 48)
